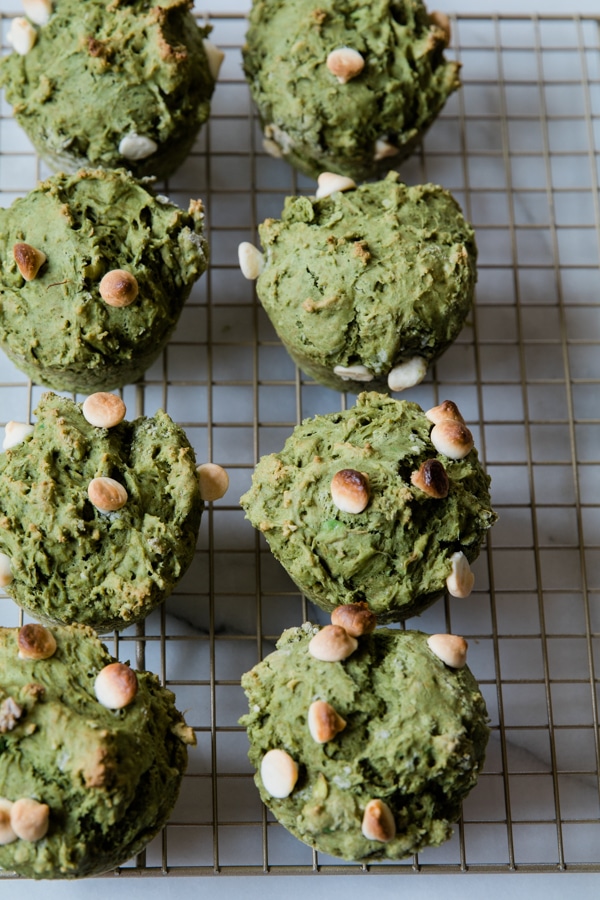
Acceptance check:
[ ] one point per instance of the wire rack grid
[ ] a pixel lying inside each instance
(519, 147)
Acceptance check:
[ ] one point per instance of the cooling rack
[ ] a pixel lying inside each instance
(519, 147)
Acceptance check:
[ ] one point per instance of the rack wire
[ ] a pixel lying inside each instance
(519, 147)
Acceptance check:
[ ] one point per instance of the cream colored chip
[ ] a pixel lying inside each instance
(332, 644)
(324, 722)
(29, 819)
(214, 481)
(353, 373)
(378, 822)
(29, 259)
(103, 410)
(136, 146)
(15, 433)
(356, 618)
(107, 494)
(279, 773)
(330, 182)
(21, 35)
(441, 21)
(35, 642)
(461, 579)
(350, 490)
(251, 260)
(453, 439)
(272, 148)
(407, 374)
(214, 58)
(432, 479)
(6, 572)
(447, 409)
(119, 288)
(7, 835)
(384, 150)
(39, 11)
(450, 648)
(116, 686)
(345, 63)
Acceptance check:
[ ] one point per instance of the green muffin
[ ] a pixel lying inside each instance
(365, 753)
(97, 524)
(120, 83)
(83, 786)
(343, 85)
(380, 503)
(94, 272)
(366, 286)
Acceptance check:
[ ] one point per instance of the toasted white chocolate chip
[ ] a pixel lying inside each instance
(7, 835)
(329, 182)
(441, 21)
(350, 490)
(453, 439)
(353, 373)
(432, 479)
(383, 150)
(251, 260)
(136, 146)
(407, 374)
(356, 618)
(378, 822)
(214, 58)
(345, 63)
(35, 642)
(214, 481)
(103, 410)
(118, 288)
(447, 409)
(272, 148)
(450, 648)
(279, 773)
(460, 581)
(39, 11)
(15, 433)
(21, 35)
(324, 722)
(29, 260)
(116, 686)
(6, 574)
(106, 494)
(29, 819)
(332, 644)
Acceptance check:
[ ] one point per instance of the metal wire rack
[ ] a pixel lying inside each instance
(519, 147)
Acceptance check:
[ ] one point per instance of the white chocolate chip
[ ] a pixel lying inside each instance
(432, 479)
(35, 642)
(107, 494)
(214, 58)
(136, 146)
(272, 148)
(460, 581)
(279, 773)
(116, 686)
(103, 410)
(29, 819)
(214, 481)
(407, 374)
(39, 11)
(29, 260)
(383, 150)
(118, 288)
(324, 722)
(450, 648)
(345, 63)
(378, 822)
(21, 35)
(353, 373)
(350, 490)
(356, 618)
(329, 182)
(6, 575)
(251, 260)
(447, 409)
(453, 439)
(15, 433)
(7, 835)
(332, 644)
(441, 21)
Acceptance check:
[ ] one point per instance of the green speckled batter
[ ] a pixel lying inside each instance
(101, 70)
(73, 563)
(369, 277)
(415, 738)
(315, 122)
(396, 553)
(57, 328)
(110, 778)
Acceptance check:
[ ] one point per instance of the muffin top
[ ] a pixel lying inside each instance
(384, 725)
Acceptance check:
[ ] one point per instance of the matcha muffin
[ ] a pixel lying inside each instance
(91, 754)
(94, 272)
(98, 523)
(366, 285)
(121, 83)
(381, 502)
(365, 743)
(346, 86)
